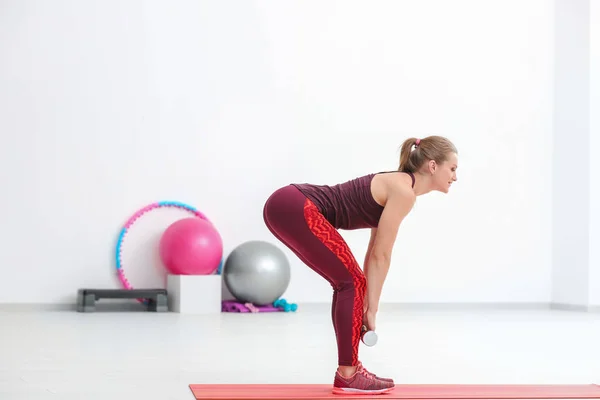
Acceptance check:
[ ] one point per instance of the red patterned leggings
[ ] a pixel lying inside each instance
(299, 225)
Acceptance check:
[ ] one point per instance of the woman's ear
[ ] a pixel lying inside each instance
(432, 166)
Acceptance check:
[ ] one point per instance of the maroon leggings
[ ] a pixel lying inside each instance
(297, 223)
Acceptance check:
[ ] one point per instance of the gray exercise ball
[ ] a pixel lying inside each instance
(257, 272)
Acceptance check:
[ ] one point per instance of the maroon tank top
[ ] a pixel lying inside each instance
(349, 205)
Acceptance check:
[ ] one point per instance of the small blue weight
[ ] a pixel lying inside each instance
(287, 307)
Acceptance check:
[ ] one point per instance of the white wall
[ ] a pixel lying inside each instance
(594, 152)
(576, 194)
(571, 172)
(106, 106)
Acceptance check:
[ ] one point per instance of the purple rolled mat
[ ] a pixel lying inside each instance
(236, 306)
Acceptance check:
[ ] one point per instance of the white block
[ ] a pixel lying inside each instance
(194, 294)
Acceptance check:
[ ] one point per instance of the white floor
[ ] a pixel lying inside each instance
(142, 355)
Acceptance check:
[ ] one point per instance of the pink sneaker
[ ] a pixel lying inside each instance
(362, 382)
(360, 366)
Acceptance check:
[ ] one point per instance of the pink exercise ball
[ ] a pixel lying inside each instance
(191, 246)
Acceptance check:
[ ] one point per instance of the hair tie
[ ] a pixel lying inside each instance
(417, 142)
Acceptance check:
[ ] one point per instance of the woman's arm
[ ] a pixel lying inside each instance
(398, 205)
(369, 249)
(366, 264)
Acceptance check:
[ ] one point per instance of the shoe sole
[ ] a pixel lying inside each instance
(351, 391)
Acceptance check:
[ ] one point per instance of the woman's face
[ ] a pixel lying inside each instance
(445, 174)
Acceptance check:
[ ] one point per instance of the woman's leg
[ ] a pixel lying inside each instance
(298, 224)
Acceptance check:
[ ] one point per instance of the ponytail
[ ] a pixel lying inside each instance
(415, 152)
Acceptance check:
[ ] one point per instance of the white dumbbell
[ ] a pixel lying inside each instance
(369, 338)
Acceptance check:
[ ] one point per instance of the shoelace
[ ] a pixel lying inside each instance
(365, 373)
(362, 368)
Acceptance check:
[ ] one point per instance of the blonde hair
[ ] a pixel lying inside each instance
(430, 148)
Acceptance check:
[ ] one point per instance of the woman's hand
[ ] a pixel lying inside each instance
(369, 320)
(368, 316)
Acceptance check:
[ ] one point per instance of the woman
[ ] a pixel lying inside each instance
(306, 217)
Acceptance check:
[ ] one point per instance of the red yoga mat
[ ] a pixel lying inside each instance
(296, 391)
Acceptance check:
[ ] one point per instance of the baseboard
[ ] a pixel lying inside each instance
(463, 306)
(574, 307)
(104, 305)
(466, 306)
(121, 305)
